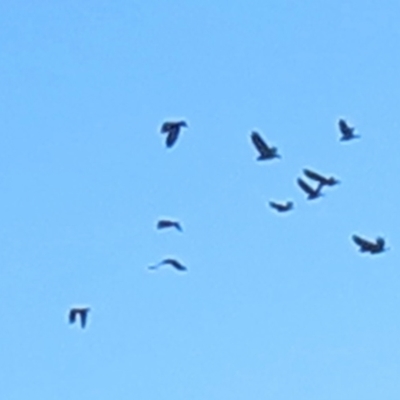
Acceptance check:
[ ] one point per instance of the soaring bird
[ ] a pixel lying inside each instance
(172, 262)
(321, 179)
(346, 131)
(281, 207)
(82, 312)
(370, 247)
(311, 192)
(266, 152)
(172, 130)
(166, 223)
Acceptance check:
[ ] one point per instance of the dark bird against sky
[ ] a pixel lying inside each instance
(346, 131)
(170, 261)
(172, 130)
(266, 152)
(82, 312)
(369, 246)
(281, 207)
(311, 192)
(320, 178)
(166, 223)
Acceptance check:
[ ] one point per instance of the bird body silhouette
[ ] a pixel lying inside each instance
(346, 131)
(170, 261)
(281, 207)
(320, 178)
(311, 192)
(367, 246)
(82, 312)
(265, 152)
(172, 130)
(166, 223)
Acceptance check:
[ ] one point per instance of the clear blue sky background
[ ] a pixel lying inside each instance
(274, 306)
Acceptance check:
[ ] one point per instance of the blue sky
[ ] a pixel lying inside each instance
(273, 306)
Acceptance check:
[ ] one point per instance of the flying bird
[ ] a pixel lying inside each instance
(311, 192)
(172, 262)
(81, 312)
(172, 130)
(368, 246)
(320, 178)
(166, 223)
(281, 207)
(266, 152)
(346, 131)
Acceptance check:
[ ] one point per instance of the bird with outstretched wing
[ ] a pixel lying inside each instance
(281, 207)
(311, 192)
(172, 130)
(320, 178)
(368, 246)
(166, 223)
(346, 131)
(82, 312)
(265, 152)
(170, 261)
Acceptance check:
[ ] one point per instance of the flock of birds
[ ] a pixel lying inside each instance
(267, 153)
(172, 131)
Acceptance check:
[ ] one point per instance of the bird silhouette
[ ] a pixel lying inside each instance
(82, 312)
(368, 246)
(166, 223)
(281, 207)
(170, 261)
(311, 192)
(346, 131)
(320, 178)
(172, 130)
(266, 152)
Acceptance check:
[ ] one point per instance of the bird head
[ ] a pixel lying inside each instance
(333, 181)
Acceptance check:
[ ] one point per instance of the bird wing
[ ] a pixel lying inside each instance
(260, 144)
(308, 189)
(174, 263)
(178, 226)
(276, 206)
(363, 243)
(315, 176)
(72, 316)
(344, 128)
(288, 205)
(83, 315)
(172, 137)
(180, 267)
